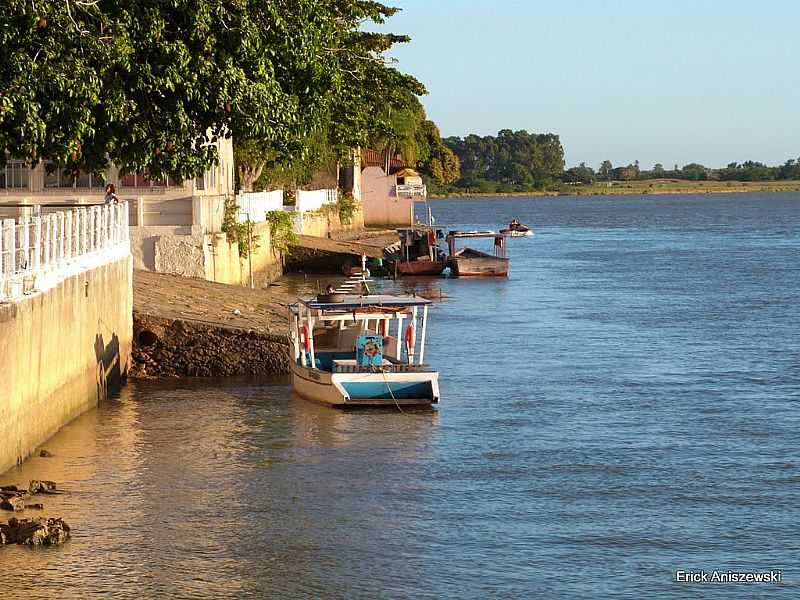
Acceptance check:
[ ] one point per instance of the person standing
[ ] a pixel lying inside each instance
(111, 196)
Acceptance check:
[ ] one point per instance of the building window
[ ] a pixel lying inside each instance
(14, 175)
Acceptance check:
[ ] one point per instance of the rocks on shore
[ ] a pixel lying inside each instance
(34, 532)
(12, 498)
(179, 348)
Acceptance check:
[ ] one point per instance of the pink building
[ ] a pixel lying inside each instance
(388, 189)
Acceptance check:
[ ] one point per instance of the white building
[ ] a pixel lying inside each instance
(197, 204)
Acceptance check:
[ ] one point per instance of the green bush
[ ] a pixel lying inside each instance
(238, 233)
(281, 230)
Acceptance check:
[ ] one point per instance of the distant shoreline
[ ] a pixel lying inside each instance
(638, 188)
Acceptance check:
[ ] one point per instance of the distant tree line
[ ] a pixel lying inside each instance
(746, 171)
(511, 161)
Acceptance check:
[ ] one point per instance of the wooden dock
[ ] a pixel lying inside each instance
(311, 242)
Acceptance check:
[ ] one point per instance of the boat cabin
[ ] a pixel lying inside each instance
(361, 350)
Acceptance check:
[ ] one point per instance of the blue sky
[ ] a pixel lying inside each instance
(674, 81)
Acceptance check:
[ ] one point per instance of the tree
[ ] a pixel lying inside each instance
(580, 174)
(149, 85)
(605, 170)
(512, 158)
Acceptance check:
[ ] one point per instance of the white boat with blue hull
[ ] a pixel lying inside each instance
(361, 351)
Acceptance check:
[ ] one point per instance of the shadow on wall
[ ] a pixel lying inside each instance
(109, 367)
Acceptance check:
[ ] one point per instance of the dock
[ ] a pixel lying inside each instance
(353, 248)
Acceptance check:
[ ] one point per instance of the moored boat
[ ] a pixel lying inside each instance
(468, 262)
(361, 351)
(419, 252)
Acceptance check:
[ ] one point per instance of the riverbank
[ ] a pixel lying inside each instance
(652, 186)
(195, 328)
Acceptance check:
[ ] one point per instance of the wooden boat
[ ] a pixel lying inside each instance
(468, 262)
(362, 351)
(422, 266)
(418, 252)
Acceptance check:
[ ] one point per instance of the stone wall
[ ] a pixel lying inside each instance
(165, 347)
(320, 224)
(180, 251)
(61, 352)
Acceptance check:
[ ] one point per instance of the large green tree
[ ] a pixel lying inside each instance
(511, 158)
(147, 84)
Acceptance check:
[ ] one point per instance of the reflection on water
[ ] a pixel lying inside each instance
(216, 489)
(623, 406)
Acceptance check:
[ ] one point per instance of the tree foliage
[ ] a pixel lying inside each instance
(149, 84)
(511, 160)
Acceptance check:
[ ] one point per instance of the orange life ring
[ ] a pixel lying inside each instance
(305, 337)
(410, 337)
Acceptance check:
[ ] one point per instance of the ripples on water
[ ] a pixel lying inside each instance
(623, 406)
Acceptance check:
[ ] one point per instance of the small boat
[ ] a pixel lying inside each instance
(517, 229)
(419, 252)
(468, 262)
(361, 351)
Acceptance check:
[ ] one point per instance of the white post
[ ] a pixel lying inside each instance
(68, 234)
(46, 241)
(400, 318)
(37, 243)
(7, 232)
(422, 335)
(311, 341)
(84, 231)
(24, 222)
(76, 233)
(61, 236)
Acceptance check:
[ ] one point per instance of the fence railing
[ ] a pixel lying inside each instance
(43, 249)
(256, 205)
(314, 199)
(411, 191)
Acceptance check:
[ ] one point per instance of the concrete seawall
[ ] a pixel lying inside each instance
(62, 350)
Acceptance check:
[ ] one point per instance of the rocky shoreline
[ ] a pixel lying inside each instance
(165, 347)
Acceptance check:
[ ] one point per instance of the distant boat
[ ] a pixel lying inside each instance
(516, 229)
(468, 262)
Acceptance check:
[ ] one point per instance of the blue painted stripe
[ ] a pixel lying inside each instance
(380, 389)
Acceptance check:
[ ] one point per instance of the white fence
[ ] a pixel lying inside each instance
(256, 205)
(314, 199)
(36, 252)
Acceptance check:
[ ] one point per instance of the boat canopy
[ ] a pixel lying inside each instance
(475, 234)
(351, 302)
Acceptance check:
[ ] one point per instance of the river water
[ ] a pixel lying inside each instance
(624, 406)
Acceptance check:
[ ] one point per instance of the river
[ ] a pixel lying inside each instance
(623, 406)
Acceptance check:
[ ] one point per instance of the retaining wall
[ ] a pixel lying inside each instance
(62, 350)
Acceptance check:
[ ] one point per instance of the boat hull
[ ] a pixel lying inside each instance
(420, 267)
(341, 390)
(488, 266)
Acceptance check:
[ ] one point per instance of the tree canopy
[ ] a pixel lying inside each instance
(510, 160)
(148, 84)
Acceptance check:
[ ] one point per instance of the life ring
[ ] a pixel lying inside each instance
(410, 337)
(305, 338)
(382, 327)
